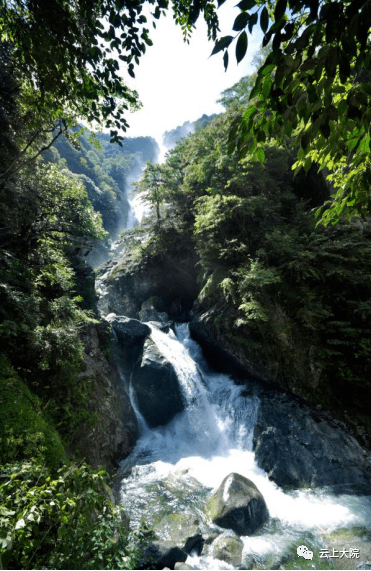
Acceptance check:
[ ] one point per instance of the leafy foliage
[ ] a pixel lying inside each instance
(271, 282)
(45, 220)
(68, 55)
(314, 86)
(62, 520)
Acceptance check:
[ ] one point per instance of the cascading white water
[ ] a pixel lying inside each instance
(209, 440)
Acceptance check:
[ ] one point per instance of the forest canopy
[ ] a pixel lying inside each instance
(314, 88)
(67, 54)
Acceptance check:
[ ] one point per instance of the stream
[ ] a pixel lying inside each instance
(174, 468)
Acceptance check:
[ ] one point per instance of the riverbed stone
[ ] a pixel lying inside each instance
(156, 386)
(182, 530)
(238, 505)
(161, 554)
(228, 549)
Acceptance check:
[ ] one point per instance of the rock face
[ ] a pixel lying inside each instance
(156, 387)
(113, 434)
(130, 335)
(173, 279)
(299, 447)
(238, 505)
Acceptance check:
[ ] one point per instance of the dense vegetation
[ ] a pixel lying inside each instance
(55, 511)
(276, 287)
(315, 86)
(273, 282)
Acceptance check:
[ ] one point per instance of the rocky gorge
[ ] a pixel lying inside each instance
(289, 444)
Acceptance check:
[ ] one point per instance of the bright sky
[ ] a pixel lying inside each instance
(179, 82)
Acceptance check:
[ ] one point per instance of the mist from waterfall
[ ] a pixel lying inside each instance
(209, 440)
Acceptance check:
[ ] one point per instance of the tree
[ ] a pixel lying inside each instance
(67, 54)
(151, 187)
(314, 87)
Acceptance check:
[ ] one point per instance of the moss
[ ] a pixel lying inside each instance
(348, 533)
(25, 431)
(211, 508)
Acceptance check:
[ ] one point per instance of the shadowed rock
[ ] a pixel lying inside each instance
(156, 386)
(238, 505)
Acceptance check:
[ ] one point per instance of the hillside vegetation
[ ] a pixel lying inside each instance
(287, 297)
(55, 511)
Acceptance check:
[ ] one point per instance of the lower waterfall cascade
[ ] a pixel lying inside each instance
(174, 469)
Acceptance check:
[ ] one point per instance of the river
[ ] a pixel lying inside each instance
(177, 466)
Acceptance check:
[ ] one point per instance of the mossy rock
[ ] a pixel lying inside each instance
(181, 530)
(228, 549)
(237, 505)
(355, 537)
(291, 560)
(25, 432)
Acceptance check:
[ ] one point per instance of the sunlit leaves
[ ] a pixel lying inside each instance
(318, 75)
(68, 53)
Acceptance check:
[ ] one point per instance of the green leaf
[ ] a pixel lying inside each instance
(267, 86)
(221, 44)
(264, 19)
(248, 113)
(241, 46)
(225, 59)
(260, 155)
(280, 10)
(267, 69)
(241, 21)
(246, 4)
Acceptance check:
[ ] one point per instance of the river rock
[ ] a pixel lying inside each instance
(130, 335)
(156, 387)
(238, 505)
(228, 549)
(159, 555)
(181, 530)
(152, 311)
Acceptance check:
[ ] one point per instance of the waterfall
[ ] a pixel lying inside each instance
(178, 465)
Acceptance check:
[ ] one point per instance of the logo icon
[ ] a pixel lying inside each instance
(303, 551)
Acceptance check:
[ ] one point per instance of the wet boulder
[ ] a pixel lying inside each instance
(228, 549)
(156, 386)
(180, 530)
(302, 448)
(161, 555)
(130, 335)
(238, 505)
(152, 310)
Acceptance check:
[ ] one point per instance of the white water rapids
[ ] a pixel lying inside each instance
(178, 465)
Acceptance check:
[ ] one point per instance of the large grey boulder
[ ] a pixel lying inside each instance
(157, 391)
(238, 505)
(299, 447)
(130, 335)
